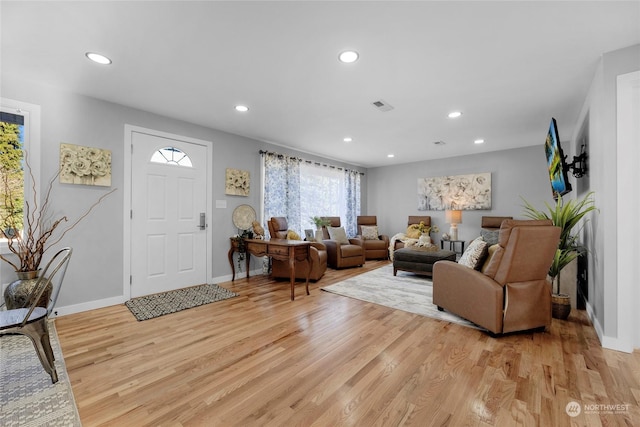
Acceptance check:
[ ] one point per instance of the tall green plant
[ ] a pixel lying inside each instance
(566, 214)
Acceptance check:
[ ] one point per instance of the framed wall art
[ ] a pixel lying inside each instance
(85, 165)
(458, 192)
(237, 182)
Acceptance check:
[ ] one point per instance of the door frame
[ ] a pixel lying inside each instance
(126, 213)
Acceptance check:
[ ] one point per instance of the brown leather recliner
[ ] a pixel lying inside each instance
(493, 222)
(413, 219)
(278, 228)
(342, 255)
(373, 248)
(513, 293)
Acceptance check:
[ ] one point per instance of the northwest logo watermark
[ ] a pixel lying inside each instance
(573, 409)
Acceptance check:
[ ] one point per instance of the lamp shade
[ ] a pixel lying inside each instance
(453, 217)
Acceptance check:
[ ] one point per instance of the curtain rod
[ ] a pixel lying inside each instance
(310, 162)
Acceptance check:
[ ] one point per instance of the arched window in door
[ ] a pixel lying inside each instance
(171, 156)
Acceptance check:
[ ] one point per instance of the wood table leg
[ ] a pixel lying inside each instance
(292, 272)
(233, 269)
(309, 269)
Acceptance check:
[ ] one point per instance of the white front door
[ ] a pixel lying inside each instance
(169, 214)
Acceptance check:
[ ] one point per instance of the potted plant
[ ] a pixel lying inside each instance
(39, 227)
(565, 214)
(320, 222)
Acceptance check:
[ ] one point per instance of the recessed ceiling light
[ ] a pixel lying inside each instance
(348, 56)
(97, 58)
(242, 108)
(348, 139)
(391, 155)
(455, 114)
(479, 141)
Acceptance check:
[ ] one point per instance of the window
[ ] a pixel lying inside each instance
(19, 138)
(298, 190)
(11, 173)
(171, 156)
(322, 193)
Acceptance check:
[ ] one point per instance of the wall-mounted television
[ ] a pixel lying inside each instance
(556, 162)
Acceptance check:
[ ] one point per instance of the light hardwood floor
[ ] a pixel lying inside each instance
(328, 360)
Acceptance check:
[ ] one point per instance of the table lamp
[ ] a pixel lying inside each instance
(454, 218)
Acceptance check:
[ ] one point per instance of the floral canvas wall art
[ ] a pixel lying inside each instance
(85, 165)
(237, 182)
(458, 192)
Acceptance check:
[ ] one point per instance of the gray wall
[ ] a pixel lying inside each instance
(96, 270)
(515, 173)
(601, 234)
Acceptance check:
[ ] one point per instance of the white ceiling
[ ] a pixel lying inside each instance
(508, 66)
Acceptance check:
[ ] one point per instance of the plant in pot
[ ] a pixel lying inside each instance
(319, 222)
(41, 230)
(566, 214)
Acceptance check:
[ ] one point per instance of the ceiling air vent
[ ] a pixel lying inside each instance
(382, 105)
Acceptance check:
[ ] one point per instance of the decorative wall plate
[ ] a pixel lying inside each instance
(243, 216)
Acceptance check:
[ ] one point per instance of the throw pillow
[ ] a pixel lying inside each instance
(369, 232)
(338, 234)
(413, 232)
(490, 236)
(474, 254)
(492, 250)
(292, 235)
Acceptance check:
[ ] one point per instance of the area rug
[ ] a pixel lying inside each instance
(156, 305)
(406, 291)
(27, 396)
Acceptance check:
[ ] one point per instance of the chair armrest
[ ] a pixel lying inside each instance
(332, 248)
(356, 241)
(319, 246)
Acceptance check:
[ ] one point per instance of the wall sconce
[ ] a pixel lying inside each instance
(578, 167)
(454, 218)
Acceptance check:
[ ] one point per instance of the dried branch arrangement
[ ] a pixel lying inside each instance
(36, 238)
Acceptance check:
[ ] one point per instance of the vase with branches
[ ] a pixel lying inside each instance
(41, 230)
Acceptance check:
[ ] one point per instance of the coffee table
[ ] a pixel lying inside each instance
(418, 260)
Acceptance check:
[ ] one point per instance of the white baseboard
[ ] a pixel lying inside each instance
(106, 302)
(611, 343)
(86, 306)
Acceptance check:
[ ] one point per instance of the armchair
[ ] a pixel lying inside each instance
(349, 253)
(512, 294)
(374, 248)
(413, 219)
(278, 228)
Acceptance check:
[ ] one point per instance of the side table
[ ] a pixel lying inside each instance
(452, 245)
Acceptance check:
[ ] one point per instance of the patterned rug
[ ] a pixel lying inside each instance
(406, 291)
(156, 305)
(27, 396)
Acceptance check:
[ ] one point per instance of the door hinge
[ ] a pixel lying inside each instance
(131, 214)
(130, 280)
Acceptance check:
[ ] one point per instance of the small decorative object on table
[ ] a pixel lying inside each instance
(258, 230)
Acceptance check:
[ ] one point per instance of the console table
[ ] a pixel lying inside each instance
(280, 249)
